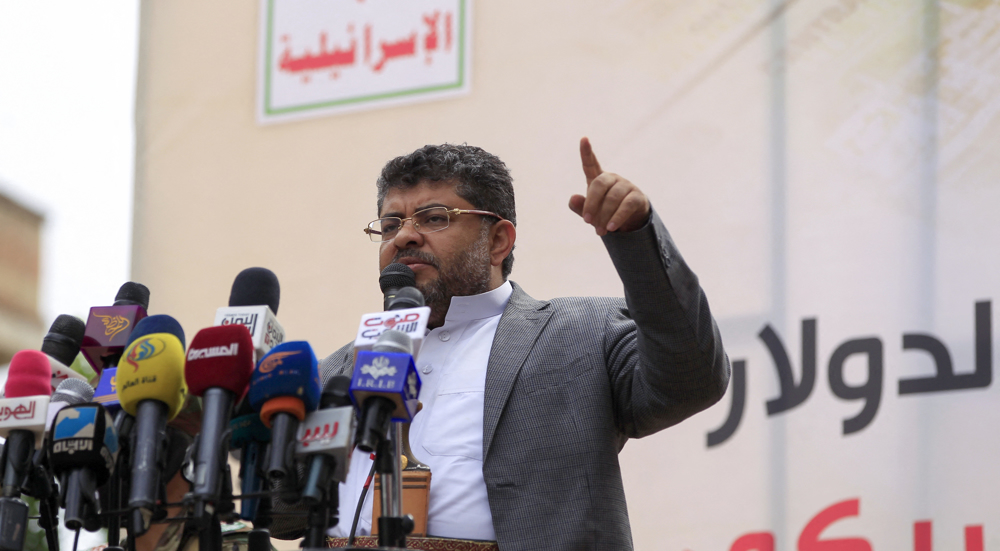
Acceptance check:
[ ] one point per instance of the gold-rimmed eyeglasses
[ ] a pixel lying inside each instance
(427, 220)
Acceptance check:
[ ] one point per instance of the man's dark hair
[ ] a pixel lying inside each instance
(483, 179)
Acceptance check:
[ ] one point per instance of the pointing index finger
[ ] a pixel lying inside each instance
(591, 168)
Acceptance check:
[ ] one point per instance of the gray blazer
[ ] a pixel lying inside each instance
(571, 379)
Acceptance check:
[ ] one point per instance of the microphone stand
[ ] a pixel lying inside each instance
(118, 483)
(39, 486)
(392, 526)
(207, 516)
(322, 512)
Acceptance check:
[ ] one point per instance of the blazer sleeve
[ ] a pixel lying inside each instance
(664, 354)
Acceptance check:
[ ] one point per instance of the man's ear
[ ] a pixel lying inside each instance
(502, 237)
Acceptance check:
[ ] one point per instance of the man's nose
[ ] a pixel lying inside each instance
(408, 235)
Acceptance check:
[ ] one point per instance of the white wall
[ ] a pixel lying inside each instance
(852, 184)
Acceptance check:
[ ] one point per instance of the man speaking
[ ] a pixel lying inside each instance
(526, 403)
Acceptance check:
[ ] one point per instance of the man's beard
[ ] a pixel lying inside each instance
(467, 274)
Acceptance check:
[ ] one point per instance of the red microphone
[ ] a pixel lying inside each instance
(23, 411)
(218, 368)
(27, 375)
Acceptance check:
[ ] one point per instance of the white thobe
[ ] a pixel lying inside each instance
(447, 434)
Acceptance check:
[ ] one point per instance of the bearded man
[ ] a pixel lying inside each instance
(526, 403)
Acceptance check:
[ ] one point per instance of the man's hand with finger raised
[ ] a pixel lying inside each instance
(612, 203)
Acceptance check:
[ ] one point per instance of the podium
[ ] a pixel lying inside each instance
(423, 544)
(416, 500)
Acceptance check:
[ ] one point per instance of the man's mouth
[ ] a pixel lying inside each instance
(416, 263)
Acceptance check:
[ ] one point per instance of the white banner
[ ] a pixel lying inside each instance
(318, 57)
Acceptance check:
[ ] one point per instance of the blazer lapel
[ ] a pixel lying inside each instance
(520, 325)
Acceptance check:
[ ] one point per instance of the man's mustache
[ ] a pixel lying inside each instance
(426, 258)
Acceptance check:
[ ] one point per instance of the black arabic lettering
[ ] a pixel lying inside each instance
(870, 391)
(791, 395)
(945, 379)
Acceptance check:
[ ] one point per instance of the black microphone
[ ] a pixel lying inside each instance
(83, 448)
(399, 287)
(40, 484)
(109, 328)
(253, 303)
(397, 282)
(62, 344)
(324, 438)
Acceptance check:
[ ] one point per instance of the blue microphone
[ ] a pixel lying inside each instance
(384, 387)
(251, 436)
(283, 388)
(160, 323)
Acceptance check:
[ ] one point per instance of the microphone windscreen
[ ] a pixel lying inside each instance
(288, 370)
(132, 293)
(395, 276)
(160, 323)
(152, 368)
(336, 392)
(83, 436)
(220, 357)
(248, 428)
(29, 374)
(255, 287)
(73, 391)
(394, 340)
(64, 338)
(242, 407)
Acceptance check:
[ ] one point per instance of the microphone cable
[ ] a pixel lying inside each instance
(364, 493)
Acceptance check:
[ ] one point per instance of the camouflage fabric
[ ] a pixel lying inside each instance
(234, 538)
(34, 537)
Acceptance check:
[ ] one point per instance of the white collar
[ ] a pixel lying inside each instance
(481, 306)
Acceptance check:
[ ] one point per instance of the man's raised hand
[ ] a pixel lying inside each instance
(612, 202)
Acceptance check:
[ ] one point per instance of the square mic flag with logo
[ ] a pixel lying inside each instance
(389, 375)
(412, 321)
(83, 436)
(265, 331)
(328, 431)
(109, 327)
(106, 392)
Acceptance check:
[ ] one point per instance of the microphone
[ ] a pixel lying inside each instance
(62, 344)
(324, 438)
(152, 389)
(22, 423)
(109, 328)
(83, 448)
(283, 388)
(218, 368)
(69, 392)
(23, 412)
(253, 303)
(251, 436)
(384, 387)
(405, 310)
(105, 393)
(398, 283)
(39, 483)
